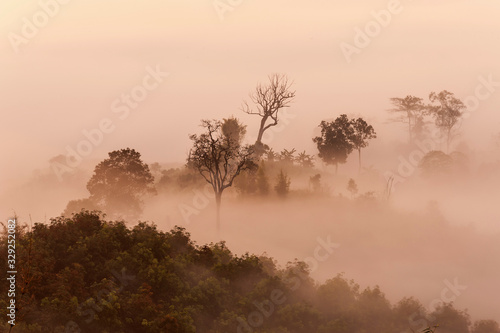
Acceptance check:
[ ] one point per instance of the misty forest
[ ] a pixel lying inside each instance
(246, 236)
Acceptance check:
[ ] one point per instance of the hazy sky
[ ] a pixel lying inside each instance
(65, 78)
(69, 75)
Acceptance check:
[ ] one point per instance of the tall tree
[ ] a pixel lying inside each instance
(334, 144)
(410, 110)
(219, 156)
(447, 112)
(362, 133)
(262, 180)
(282, 186)
(119, 183)
(269, 100)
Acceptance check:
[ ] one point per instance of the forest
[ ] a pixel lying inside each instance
(99, 267)
(87, 274)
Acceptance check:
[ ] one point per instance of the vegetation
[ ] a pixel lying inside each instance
(410, 110)
(444, 107)
(219, 156)
(438, 165)
(333, 145)
(117, 186)
(362, 133)
(262, 180)
(352, 187)
(269, 100)
(339, 138)
(447, 113)
(86, 274)
(282, 186)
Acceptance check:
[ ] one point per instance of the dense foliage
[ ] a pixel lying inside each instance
(117, 186)
(85, 274)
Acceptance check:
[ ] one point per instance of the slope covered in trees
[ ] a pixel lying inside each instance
(86, 274)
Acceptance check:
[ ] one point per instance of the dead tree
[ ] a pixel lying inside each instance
(269, 100)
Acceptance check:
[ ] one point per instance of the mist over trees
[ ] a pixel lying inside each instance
(232, 166)
(362, 133)
(219, 156)
(87, 274)
(118, 185)
(410, 110)
(446, 110)
(282, 186)
(179, 286)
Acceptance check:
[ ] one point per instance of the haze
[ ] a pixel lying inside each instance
(65, 79)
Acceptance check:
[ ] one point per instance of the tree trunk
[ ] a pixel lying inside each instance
(448, 139)
(359, 155)
(218, 197)
(409, 129)
(261, 129)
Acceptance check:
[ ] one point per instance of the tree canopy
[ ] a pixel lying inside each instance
(447, 112)
(87, 274)
(119, 183)
(334, 144)
(340, 137)
(410, 110)
(219, 156)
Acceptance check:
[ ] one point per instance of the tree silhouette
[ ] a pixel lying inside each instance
(305, 160)
(286, 156)
(449, 319)
(219, 156)
(334, 144)
(262, 180)
(410, 110)
(269, 100)
(436, 164)
(233, 129)
(446, 113)
(282, 186)
(87, 274)
(119, 183)
(362, 132)
(352, 187)
(315, 182)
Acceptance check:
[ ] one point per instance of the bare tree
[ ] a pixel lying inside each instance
(410, 110)
(269, 100)
(219, 156)
(447, 113)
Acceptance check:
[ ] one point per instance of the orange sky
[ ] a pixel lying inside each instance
(64, 79)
